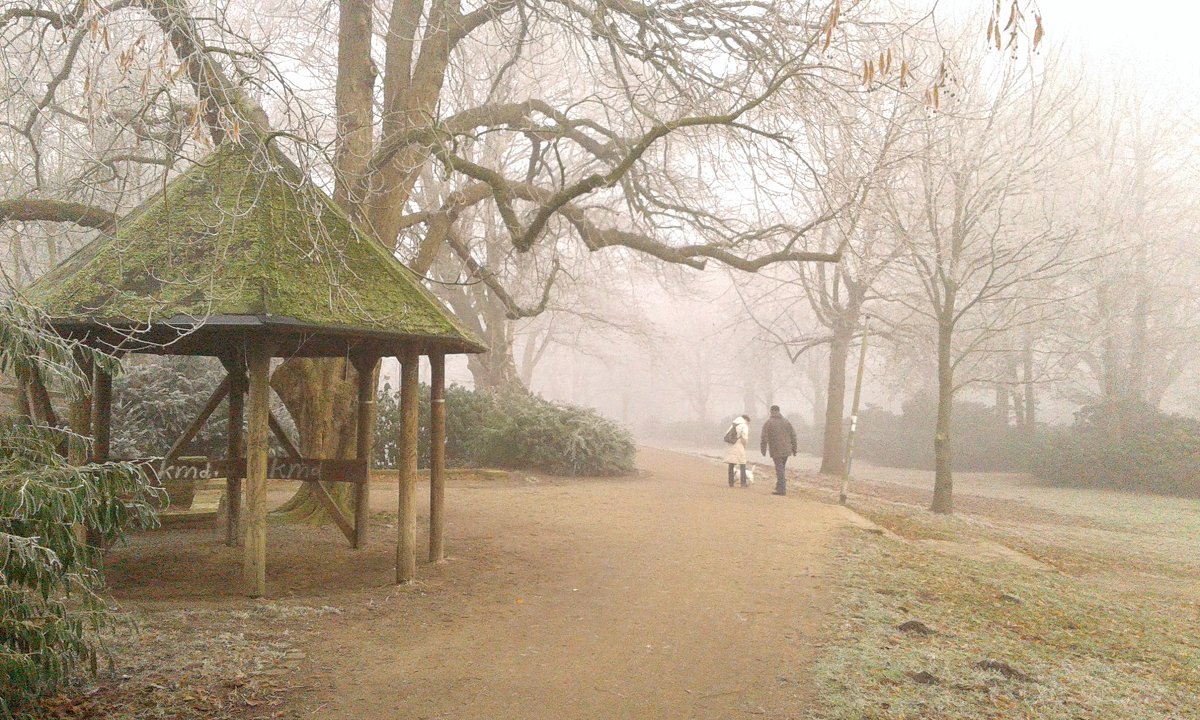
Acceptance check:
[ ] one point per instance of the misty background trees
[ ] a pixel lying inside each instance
(673, 212)
(1004, 246)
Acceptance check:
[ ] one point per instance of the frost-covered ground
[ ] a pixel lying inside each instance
(1103, 621)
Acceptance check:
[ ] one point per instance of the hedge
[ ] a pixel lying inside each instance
(1123, 448)
(511, 430)
(979, 441)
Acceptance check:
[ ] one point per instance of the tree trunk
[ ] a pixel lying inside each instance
(943, 482)
(1029, 421)
(80, 420)
(320, 395)
(530, 354)
(1137, 381)
(1002, 404)
(750, 392)
(1110, 380)
(833, 447)
(354, 96)
(496, 370)
(820, 392)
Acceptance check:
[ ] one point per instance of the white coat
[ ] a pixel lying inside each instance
(736, 453)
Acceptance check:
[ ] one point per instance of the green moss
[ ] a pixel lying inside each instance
(243, 233)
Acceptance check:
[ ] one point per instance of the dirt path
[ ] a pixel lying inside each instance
(668, 595)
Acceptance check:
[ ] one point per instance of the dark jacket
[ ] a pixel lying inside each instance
(778, 436)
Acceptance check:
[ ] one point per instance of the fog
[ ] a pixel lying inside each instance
(1110, 315)
(953, 241)
(1002, 197)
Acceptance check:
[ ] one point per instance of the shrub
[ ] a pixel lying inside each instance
(524, 431)
(155, 399)
(51, 607)
(979, 441)
(511, 430)
(1124, 447)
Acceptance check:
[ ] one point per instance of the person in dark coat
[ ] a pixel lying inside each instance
(778, 440)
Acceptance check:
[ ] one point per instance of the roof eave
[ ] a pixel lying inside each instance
(266, 325)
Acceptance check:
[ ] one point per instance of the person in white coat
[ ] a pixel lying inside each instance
(736, 455)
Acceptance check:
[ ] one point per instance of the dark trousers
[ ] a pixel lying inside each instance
(780, 477)
(731, 476)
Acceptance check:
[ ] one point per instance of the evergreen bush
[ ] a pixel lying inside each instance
(511, 430)
(51, 605)
(1123, 447)
(156, 398)
(979, 440)
(51, 602)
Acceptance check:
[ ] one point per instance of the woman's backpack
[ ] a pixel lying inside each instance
(731, 434)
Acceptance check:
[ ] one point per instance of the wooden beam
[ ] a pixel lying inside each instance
(406, 543)
(234, 450)
(365, 432)
(287, 468)
(317, 487)
(437, 457)
(190, 433)
(101, 428)
(258, 362)
(78, 449)
(334, 511)
(279, 432)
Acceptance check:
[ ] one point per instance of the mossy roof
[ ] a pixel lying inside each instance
(243, 234)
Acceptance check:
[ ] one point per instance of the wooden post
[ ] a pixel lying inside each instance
(365, 430)
(437, 457)
(406, 543)
(81, 414)
(101, 428)
(101, 413)
(234, 450)
(78, 450)
(258, 408)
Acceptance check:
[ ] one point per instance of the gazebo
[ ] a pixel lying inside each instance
(242, 258)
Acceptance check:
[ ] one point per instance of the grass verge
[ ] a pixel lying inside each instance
(1007, 641)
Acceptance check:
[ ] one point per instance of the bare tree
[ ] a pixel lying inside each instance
(1142, 318)
(673, 101)
(982, 245)
(857, 149)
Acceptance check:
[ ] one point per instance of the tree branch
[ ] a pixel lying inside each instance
(28, 209)
(513, 309)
